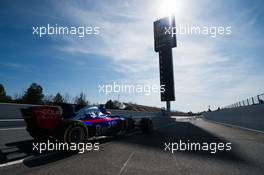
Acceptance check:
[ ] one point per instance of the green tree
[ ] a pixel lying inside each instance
(113, 104)
(2, 93)
(81, 99)
(109, 104)
(18, 98)
(48, 99)
(34, 94)
(58, 99)
(67, 98)
(3, 96)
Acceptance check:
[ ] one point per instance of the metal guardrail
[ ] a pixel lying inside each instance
(259, 99)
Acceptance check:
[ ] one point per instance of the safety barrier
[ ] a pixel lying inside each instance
(259, 99)
(250, 116)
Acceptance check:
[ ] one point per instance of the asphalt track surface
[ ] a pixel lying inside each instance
(142, 154)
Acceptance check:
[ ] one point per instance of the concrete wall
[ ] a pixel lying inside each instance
(135, 113)
(251, 117)
(12, 111)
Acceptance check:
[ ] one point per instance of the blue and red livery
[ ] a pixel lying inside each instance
(45, 122)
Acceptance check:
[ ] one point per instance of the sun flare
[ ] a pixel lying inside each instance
(169, 7)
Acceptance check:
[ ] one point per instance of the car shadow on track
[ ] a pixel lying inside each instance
(53, 156)
(176, 131)
(24, 150)
(186, 132)
(15, 151)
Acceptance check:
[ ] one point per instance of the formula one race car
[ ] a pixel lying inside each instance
(44, 122)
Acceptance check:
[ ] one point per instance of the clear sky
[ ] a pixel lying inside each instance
(207, 71)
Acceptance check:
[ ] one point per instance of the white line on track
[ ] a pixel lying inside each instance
(11, 163)
(3, 129)
(125, 164)
(32, 157)
(236, 126)
(11, 120)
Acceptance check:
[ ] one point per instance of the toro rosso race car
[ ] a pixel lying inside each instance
(44, 122)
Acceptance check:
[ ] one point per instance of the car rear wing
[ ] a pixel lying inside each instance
(44, 117)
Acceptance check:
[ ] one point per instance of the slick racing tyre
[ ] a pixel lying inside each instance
(146, 125)
(73, 132)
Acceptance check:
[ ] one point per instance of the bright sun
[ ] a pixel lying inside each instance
(169, 7)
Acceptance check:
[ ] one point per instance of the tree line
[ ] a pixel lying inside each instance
(34, 95)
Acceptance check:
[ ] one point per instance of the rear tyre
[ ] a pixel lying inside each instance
(72, 132)
(146, 125)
